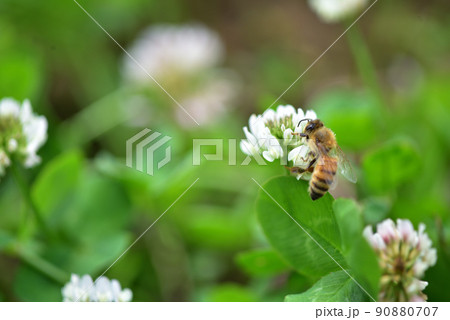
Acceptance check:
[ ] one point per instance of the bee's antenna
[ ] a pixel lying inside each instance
(303, 120)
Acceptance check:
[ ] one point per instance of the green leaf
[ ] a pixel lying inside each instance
(93, 257)
(364, 266)
(390, 165)
(90, 212)
(231, 293)
(30, 285)
(349, 219)
(55, 186)
(359, 255)
(261, 262)
(335, 287)
(100, 207)
(94, 225)
(303, 248)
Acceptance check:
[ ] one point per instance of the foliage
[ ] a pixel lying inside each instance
(226, 239)
(326, 237)
(336, 286)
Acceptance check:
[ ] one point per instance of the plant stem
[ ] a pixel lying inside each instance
(43, 266)
(26, 193)
(364, 62)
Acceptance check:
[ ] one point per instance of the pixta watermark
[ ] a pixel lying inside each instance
(142, 148)
(149, 150)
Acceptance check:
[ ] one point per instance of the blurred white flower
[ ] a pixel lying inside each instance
(104, 290)
(404, 255)
(78, 289)
(185, 61)
(270, 135)
(22, 133)
(165, 50)
(208, 102)
(12, 145)
(336, 10)
(405, 75)
(4, 161)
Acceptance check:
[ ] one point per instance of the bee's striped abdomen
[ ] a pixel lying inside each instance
(322, 177)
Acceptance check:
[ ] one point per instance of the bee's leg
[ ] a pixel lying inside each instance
(299, 170)
(309, 156)
(301, 134)
(313, 161)
(295, 169)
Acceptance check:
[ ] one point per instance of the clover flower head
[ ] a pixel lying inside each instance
(271, 135)
(83, 289)
(208, 102)
(336, 10)
(165, 50)
(185, 61)
(22, 133)
(404, 255)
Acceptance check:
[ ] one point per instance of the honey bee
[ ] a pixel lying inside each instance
(325, 158)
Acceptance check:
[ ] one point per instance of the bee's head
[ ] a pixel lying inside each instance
(311, 125)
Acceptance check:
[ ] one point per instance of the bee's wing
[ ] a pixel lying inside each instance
(335, 180)
(344, 166)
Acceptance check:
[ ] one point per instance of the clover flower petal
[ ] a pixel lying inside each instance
(404, 255)
(22, 133)
(272, 135)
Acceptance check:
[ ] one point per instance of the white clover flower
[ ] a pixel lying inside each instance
(185, 61)
(22, 133)
(78, 289)
(270, 135)
(84, 290)
(165, 50)
(336, 10)
(208, 102)
(404, 255)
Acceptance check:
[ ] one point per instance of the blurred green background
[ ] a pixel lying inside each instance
(392, 121)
